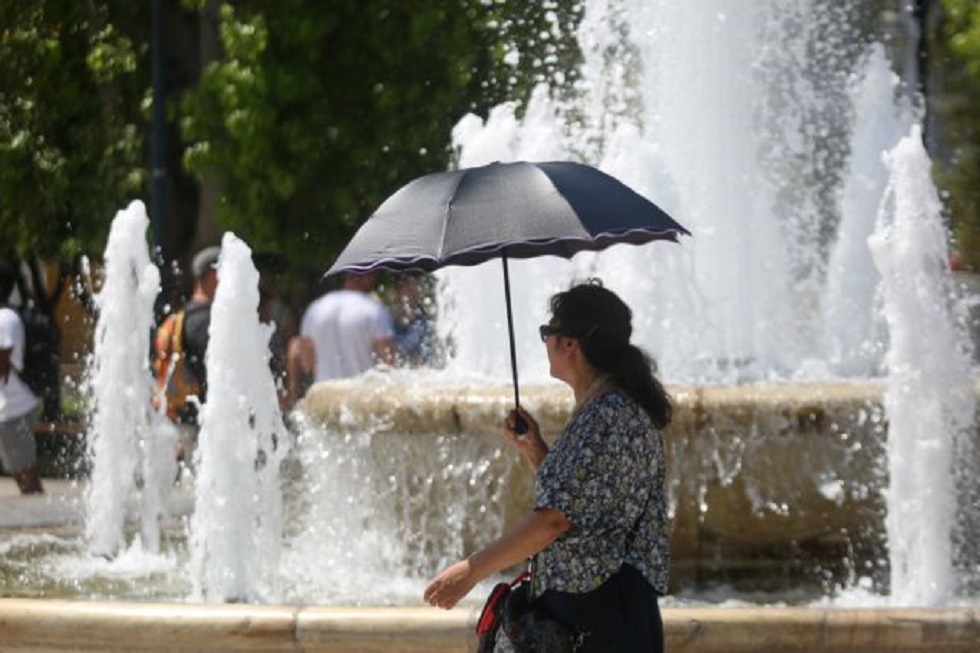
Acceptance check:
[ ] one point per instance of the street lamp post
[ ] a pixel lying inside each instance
(158, 164)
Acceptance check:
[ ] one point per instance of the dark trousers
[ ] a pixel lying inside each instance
(622, 614)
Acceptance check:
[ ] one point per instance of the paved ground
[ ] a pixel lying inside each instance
(61, 504)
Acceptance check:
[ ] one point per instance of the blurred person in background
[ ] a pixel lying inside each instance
(180, 346)
(342, 334)
(18, 403)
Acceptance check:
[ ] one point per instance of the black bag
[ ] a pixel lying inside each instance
(531, 629)
(528, 628)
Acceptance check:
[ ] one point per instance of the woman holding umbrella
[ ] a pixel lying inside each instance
(598, 535)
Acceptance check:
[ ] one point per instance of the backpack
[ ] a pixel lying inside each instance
(42, 363)
(174, 376)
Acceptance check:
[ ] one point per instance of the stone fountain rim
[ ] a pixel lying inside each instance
(51, 625)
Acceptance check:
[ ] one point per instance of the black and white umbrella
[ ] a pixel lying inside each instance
(506, 211)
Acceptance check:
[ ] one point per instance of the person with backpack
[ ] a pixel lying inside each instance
(18, 403)
(180, 345)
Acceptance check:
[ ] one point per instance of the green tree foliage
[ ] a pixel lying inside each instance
(313, 113)
(964, 32)
(71, 135)
(318, 110)
(959, 50)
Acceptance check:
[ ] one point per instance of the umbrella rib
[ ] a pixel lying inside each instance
(449, 213)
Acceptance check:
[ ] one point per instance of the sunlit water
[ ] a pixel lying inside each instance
(754, 133)
(930, 397)
(366, 518)
(236, 529)
(783, 141)
(130, 445)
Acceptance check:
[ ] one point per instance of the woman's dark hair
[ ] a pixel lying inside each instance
(603, 324)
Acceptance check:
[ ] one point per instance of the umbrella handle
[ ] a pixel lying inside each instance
(520, 425)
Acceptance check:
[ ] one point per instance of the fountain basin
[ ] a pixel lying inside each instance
(778, 481)
(34, 626)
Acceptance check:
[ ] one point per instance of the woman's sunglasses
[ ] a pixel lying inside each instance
(546, 330)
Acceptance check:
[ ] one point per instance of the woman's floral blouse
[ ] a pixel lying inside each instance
(606, 474)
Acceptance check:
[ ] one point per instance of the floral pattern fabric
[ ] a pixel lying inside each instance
(606, 474)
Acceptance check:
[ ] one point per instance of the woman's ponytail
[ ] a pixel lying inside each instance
(635, 373)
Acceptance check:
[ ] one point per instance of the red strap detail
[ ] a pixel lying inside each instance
(493, 608)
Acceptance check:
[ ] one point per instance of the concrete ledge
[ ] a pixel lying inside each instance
(820, 630)
(35, 626)
(32, 625)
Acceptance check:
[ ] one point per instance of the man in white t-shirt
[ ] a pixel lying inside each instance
(342, 334)
(18, 451)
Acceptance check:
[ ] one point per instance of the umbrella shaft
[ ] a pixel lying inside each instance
(520, 425)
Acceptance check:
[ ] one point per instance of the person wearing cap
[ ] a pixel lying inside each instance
(198, 311)
(180, 345)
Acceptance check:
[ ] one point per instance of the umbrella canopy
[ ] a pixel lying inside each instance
(518, 210)
(503, 210)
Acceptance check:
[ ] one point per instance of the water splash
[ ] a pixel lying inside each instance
(745, 138)
(236, 529)
(380, 512)
(130, 446)
(854, 329)
(929, 398)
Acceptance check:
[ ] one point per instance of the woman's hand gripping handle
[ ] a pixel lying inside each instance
(527, 440)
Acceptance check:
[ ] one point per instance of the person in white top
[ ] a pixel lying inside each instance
(18, 451)
(342, 334)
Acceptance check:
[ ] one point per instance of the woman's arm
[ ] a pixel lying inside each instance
(532, 534)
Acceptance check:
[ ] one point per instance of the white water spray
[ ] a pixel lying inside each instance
(236, 532)
(131, 447)
(929, 394)
(708, 131)
(854, 329)
(380, 511)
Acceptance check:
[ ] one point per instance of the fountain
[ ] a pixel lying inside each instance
(127, 440)
(236, 528)
(810, 404)
(929, 399)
